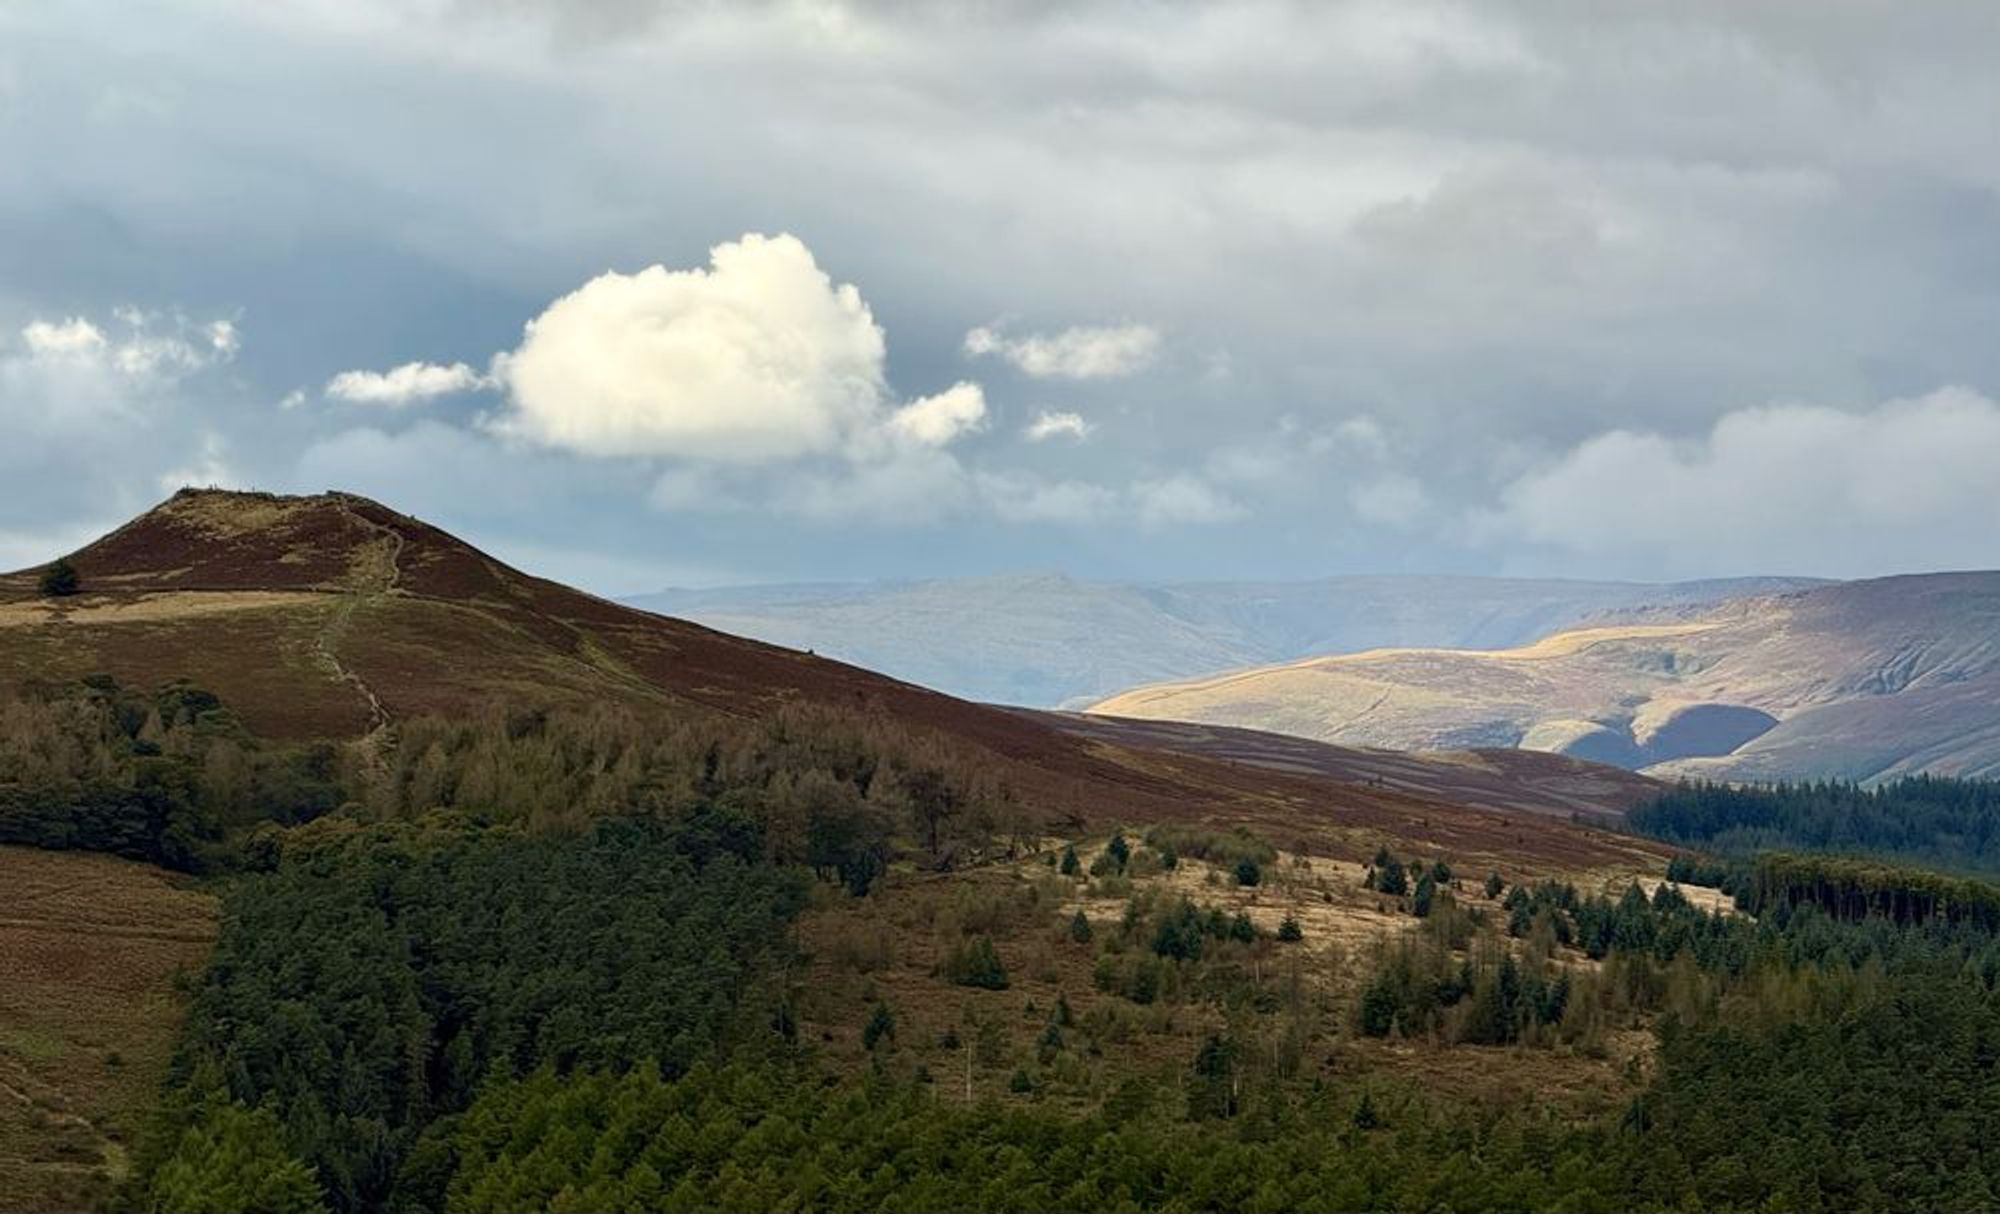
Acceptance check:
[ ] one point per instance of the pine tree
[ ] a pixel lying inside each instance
(881, 1024)
(1079, 927)
(1070, 865)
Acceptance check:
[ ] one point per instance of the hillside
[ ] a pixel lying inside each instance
(1052, 641)
(332, 616)
(1863, 680)
(91, 946)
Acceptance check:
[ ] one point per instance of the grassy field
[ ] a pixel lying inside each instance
(89, 948)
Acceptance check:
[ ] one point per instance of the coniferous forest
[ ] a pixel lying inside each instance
(540, 961)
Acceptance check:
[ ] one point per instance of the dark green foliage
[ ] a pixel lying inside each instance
(1020, 1081)
(881, 1027)
(229, 1159)
(1420, 901)
(1494, 885)
(363, 988)
(1242, 929)
(1440, 873)
(151, 776)
(1711, 874)
(975, 962)
(1390, 876)
(1289, 930)
(1248, 872)
(1860, 889)
(59, 580)
(1379, 1005)
(1079, 927)
(1213, 1089)
(1119, 850)
(1365, 1117)
(1224, 849)
(1954, 824)
(1070, 865)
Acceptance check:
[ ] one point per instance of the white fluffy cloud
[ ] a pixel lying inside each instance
(1084, 352)
(934, 421)
(409, 384)
(1049, 424)
(74, 338)
(760, 357)
(149, 348)
(1907, 484)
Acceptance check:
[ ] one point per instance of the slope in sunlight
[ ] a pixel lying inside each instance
(1861, 680)
(1053, 641)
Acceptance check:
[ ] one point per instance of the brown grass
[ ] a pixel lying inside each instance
(89, 946)
(889, 947)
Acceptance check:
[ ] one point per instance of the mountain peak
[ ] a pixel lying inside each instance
(226, 539)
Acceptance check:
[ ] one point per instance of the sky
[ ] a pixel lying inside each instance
(646, 293)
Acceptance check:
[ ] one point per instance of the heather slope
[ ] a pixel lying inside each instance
(332, 616)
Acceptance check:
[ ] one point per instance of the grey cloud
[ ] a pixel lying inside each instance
(1500, 231)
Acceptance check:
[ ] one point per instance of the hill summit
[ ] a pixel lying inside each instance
(333, 617)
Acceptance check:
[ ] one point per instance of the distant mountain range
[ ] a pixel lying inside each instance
(1861, 680)
(1052, 641)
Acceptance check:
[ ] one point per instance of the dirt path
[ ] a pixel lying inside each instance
(373, 585)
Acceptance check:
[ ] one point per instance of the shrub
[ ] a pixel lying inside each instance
(1248, 872)
(1070, 865)
(1079, 927)
(60, 579)
(1494, 885)
(1290, 931)
(1221, 849)
(975, 962)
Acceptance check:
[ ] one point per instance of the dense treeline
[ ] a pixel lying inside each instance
(362, 989)
(161, 776)
(173, 777)
(1858, 889)
(1848, 1090)
(1948, 823)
